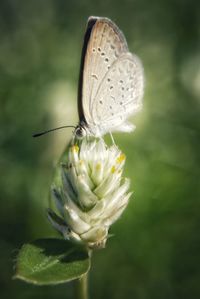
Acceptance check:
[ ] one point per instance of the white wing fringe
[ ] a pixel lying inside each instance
(125, 127)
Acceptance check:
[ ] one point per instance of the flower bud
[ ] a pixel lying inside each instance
(93, 193)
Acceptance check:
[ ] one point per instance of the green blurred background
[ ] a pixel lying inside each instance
(155, 252)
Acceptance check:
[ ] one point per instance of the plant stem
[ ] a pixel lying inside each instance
(82, 287)
(81, 284)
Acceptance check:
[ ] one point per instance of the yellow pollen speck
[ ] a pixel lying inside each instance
(113, 169)
(75, 148)
(121, 158)
(98, 166)
(81, 162)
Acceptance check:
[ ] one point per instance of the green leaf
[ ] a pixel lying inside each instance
(51, 261)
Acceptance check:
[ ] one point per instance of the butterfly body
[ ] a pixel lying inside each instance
(83, 129)
(111, 81)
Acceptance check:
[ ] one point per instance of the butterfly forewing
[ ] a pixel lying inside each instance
(105, 46)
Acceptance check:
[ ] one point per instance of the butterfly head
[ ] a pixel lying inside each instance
(81, 131)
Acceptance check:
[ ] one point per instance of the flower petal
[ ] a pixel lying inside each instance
(96, 233)
(113, 215)
(57, 199)
(58, 223)
(108, 185)
(68, 188)
(74, 221)
(86, 197)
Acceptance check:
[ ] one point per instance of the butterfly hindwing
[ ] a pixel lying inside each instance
(120, 93)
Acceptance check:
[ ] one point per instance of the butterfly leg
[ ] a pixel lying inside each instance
(73, 138)
(112, 139)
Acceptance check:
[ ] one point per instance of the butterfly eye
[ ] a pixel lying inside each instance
(80, 132)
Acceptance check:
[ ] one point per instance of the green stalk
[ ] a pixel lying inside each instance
(82, 287)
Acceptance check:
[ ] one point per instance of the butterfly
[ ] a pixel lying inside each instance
(111, 81)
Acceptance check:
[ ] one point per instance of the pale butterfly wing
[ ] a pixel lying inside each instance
(103, 44)
(105, 57)
(119, 94)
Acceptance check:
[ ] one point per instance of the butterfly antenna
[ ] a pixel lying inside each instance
(51, 130)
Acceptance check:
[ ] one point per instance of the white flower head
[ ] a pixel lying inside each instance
(93, 193)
